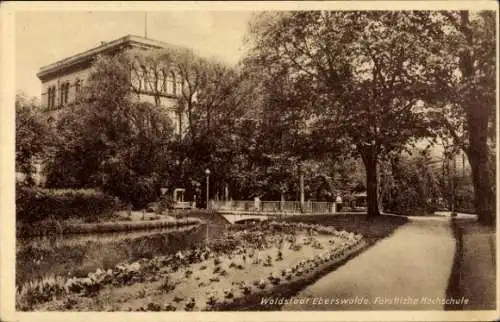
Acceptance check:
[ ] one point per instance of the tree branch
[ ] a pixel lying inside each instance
(294, 61)
(458, 141)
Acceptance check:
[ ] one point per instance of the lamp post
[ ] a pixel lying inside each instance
(207, 172)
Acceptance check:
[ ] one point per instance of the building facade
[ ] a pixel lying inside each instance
(62, 80)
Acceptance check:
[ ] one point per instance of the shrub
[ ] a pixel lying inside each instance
(139, 191)
(36, 204)
(40, 291)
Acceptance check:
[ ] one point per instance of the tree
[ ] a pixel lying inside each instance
(212, 100)
(216, 100)
(107, 140)
(360, 79)
(468, 106)
(32, 135)
(415, 187)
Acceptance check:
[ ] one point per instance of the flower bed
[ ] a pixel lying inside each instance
(233, 272)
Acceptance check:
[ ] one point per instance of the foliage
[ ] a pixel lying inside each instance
(109, 141)
(354, 81)
(211, 103)
(32, 135)
(467, 109)
(415, 189)
(40, 291)
(36, 204)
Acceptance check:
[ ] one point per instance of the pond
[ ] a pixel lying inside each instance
(79, 254)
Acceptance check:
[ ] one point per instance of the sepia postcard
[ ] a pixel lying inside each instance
(249, 161)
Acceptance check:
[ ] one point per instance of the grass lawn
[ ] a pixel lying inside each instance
(474, 270)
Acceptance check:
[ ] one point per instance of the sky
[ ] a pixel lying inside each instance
(44, 37)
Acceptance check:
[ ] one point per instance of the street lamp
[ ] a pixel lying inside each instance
(207, 172)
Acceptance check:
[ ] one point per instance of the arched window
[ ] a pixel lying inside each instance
(51, 97)
(53, 101)
(61, 94)
(171, 83)
(162, 81)
(178, 86)
(54, 96)
(78, 86)
(65, 93)
(143, 76)
(136, 76)
(152, 80)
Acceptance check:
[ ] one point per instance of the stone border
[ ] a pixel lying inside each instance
(104, 227)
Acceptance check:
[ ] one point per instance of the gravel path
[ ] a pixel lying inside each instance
(406, 271)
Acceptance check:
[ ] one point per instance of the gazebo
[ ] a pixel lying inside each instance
(178, 198)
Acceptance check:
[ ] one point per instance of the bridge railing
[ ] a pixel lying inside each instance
(184, 205)
(233, 205)
(273, 206)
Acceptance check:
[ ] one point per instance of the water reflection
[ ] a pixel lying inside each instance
(79, 254)
(58, 240)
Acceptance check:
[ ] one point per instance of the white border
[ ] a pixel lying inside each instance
(7, 177)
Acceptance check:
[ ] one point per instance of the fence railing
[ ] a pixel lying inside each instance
(184, 205)
(273, 206)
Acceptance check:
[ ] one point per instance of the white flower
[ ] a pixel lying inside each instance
(134, 266)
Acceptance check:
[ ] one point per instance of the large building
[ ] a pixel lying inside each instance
(62, 80)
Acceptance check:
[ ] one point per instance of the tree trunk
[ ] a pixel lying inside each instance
(301, 186)
(477, 121)
(484, 201)
(383, 185)
(369, 156)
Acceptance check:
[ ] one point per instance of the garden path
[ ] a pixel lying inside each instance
(415, 262)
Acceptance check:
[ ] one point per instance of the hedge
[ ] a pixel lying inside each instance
(36, 204)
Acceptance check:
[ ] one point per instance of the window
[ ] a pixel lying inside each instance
(136, 76)
(152, 80)
(78, 86)
(136, 80)
(51, 97)
(170, 83)
(63, 93)
(54, 94)
(65, 97)
(66, 93)
(162, 81)
(178, 89)
(142, 75)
